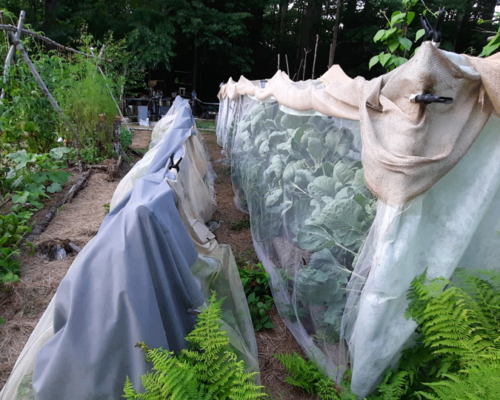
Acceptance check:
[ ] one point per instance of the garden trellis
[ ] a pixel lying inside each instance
(354, 189)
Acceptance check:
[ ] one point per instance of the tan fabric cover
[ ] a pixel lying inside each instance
(194, 200)
(407, 147)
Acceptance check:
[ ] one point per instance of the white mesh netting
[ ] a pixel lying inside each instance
(340, 261)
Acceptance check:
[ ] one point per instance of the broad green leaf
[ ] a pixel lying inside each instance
(289, 121)
(314, 238)
(396, 19)
(379, 35)
(251, 297)
(273, 197)
(322, 186)
(316, 149)
(345, 219)
(343, 173)
(384, 58)
(58, 176)
(59, 152)
(409, 17)
(327, 169)
(393, 45)
(419, 34)
(373, 61)
(39, 178)
(406, 43)
(54, 188)
(398, 61)
(20, 197)
(389, 32)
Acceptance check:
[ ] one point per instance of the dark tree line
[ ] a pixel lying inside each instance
(211, 40)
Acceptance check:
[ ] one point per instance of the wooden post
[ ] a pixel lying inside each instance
(105, 80)
(333, 47)
(315, 51)
(287, 69)
(35, 73)
(278, 62)
(12, 50)
(306, 52)
(123, 88)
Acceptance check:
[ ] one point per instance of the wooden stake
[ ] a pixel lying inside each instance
(12, 28)
(305, 61)
(12, 50)
(44, 223)
(278, 62)
(315, 51)
(123, 88)
(287, 69)
(35, 73)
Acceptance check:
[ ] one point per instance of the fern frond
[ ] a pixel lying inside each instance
(128, 389)
(208, 370)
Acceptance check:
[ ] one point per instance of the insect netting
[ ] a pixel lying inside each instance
(300, 177)
(354, 189)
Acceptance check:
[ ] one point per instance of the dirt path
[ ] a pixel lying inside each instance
(238, 235)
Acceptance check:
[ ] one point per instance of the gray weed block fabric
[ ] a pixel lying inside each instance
(133, 285)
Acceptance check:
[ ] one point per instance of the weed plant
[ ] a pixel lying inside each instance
(255, 282)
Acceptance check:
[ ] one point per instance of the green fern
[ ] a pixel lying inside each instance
(306, 375)
(208, 370)
(458, 353)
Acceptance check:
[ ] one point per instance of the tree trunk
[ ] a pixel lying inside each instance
(283, 11)
(310, 27)
(51, 7)
(335, 35)
(195, 67)
(462, 36)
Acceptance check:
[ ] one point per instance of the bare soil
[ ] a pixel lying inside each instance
(141, 137)
(271, 341)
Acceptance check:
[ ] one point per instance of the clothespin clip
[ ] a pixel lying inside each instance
(433, 33)
(174, 165)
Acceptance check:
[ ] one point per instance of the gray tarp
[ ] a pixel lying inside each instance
(133, 284)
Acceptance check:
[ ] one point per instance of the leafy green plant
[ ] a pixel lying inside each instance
(13, 228)
(106, 208)
(256, 285)
(26, 178)
(395, 39)
(494, 44)
(240, 225)
(306, 375)
(458, 353)
(125, 137)
(31, 176)
(208, 369)
(301, 181)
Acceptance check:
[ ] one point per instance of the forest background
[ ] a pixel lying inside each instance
(212, 40)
